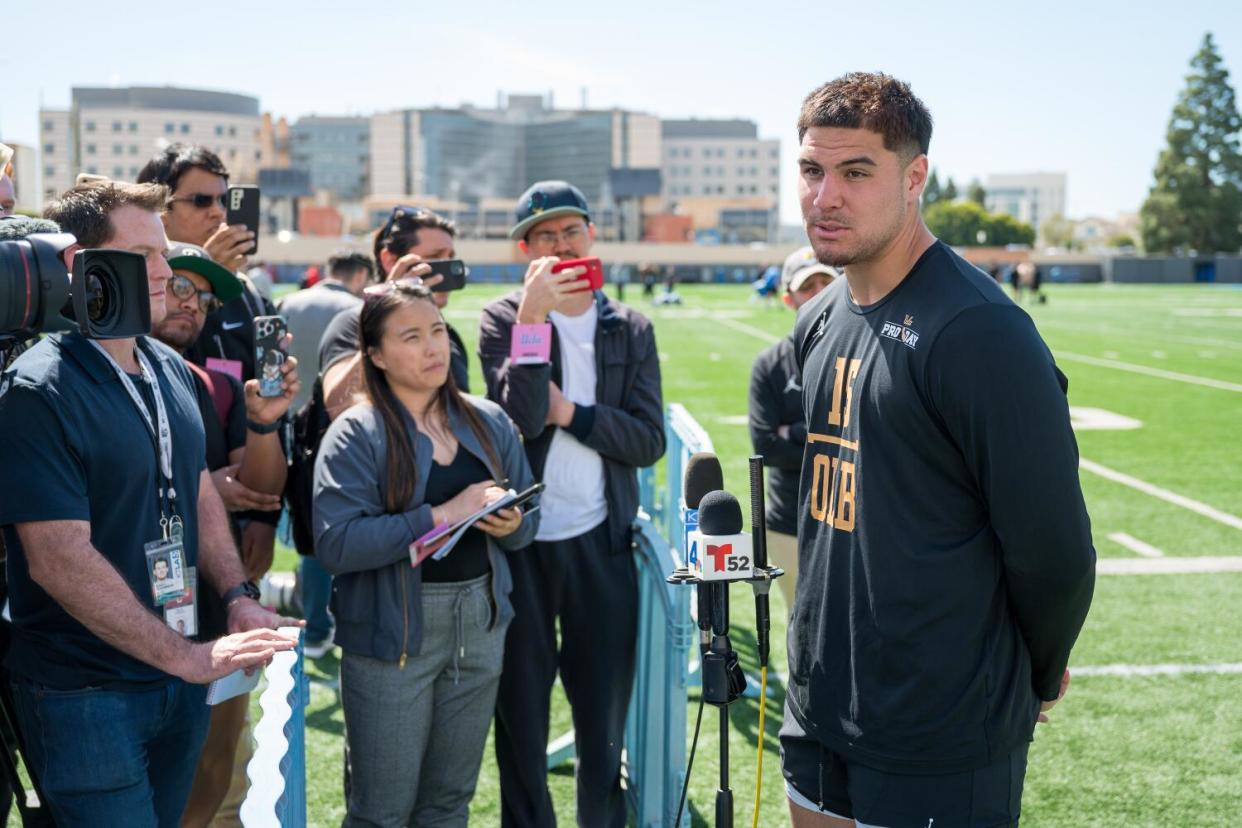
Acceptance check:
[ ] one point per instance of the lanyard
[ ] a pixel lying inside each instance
(159, 429)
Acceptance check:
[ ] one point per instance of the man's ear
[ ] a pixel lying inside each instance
(787, 298)
(524, 247)
(916, 176)
(69, 253)
(591, 230)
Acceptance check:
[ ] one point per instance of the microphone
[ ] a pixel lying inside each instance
(703, 475)
(721, 551)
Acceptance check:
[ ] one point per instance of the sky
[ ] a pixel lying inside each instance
(1082, 87)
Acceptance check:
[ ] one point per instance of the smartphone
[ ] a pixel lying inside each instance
(242, 207)
(594, 274)
(269, 353)
(454, 272)
(524, 497)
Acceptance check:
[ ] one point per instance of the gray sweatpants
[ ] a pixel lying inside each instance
(416, 735)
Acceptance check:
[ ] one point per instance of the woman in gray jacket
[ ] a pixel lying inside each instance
(423, 645)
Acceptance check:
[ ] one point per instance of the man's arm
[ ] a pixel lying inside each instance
(64, 563)
(766, 391)
(521, 390)
(634, 433)
(1003, 401)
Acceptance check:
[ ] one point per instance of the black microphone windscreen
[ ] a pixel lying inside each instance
(703, 475)
(720, 514)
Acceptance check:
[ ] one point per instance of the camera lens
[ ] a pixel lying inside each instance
(101, 298)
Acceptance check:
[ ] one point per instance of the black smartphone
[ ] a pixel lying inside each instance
(269, 354)
(524, 497)
(454, 272)
(242, 207)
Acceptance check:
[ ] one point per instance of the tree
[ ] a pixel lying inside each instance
(1195, 202)
(950, 191)
(1057, 231)
(931, 191)
(977, 194)
(1122, 240)
(966, 224)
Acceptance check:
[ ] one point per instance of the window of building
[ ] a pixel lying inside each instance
(219, 129)
(92, 170)
(775, 171)
(707, 190)
(741, 189)
(49, 149)
(49, 126)
(754, 152)
(117, 126)
(170, 128)
(49, 171)
(741, 153)
(720, 190)
(90, 126)
(185, 128)
(707, 171)
(118, 172)
(133, 149)
(118, 149)
(133, 126)
(774, 153)
(90, 149)
(233, 132)
(133, 172)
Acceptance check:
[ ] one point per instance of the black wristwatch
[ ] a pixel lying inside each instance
(262, 428)
(246, 589)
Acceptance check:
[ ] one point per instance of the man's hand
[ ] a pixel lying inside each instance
(228, 245)
(246, 614)
(237, 496)
(412, 266)
(258, 547)
(1044, 707)
(543, 291)
(204, 663)
(560, 409)
(267, 410)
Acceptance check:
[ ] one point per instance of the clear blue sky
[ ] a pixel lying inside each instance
(1080, 87)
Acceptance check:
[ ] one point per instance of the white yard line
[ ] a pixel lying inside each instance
(1150, 372)
(1168, 566)
(1127, 670)
(1135, 545)
(747, 329)
(1163, 494)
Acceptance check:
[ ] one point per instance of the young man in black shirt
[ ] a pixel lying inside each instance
(777, 426)
(944, 546)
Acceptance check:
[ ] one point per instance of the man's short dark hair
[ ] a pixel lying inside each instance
(16, 228)
(343, 264)
(86, 210)
(170, 164)
(874, 101)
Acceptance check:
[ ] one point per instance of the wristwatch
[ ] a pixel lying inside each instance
(262, 428)
(246, 589)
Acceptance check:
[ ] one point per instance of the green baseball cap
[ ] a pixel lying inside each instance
(193, 258)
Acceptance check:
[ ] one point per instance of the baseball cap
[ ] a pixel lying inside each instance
(545, 200)
(193, 258)
(801, 265)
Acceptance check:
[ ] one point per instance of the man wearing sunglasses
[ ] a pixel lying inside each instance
(197, 181)
(247, 465)
(590, 416)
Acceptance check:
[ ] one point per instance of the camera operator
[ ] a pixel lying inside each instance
(590, 416)
(198, 181)
(246, 460)
(103, 469)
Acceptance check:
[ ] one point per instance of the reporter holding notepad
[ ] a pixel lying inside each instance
(422, 646)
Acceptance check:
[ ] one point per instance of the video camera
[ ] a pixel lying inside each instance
(105, 298)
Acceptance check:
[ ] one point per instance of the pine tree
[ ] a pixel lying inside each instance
(949, 193)
(1195, 202)
(977, 194)
(931, 191)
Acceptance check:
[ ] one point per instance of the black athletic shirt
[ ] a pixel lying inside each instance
(945, 558)
(775, 401)
(468, 559)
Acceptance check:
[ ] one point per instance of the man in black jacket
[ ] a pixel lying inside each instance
(944, 546)
(777, 425)
(591, 412)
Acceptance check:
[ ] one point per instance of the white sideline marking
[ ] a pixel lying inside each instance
(1163, 494)
(747, 329)
(1083, 418)
(1135, 545)
(1168, 566)
(1128, 670)
(1209, 312)
(1151, 372)
(734, 420)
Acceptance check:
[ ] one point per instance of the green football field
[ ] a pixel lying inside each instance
(1150, 733)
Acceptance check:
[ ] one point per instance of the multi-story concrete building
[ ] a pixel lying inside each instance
(472, 155)
(723, 168)
(336, 151)
(114, 132)
(1029, 197)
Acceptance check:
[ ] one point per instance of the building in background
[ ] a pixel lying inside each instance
(115, 131)
(1029, 197)
(336, 151)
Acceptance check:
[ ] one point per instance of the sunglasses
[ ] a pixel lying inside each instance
(402, 213)
(183, 288)
(201, 201)
(385, 288)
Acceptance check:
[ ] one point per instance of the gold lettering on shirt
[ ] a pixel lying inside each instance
(832, 496)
